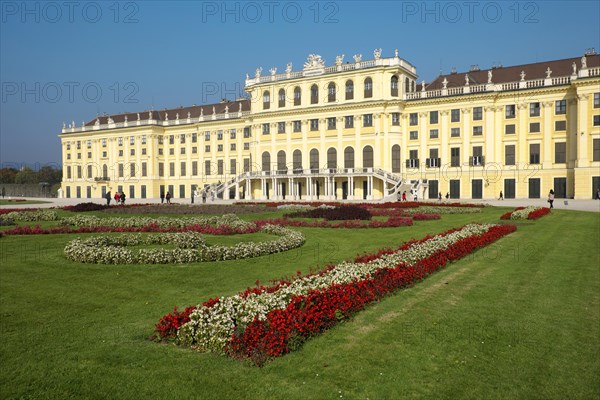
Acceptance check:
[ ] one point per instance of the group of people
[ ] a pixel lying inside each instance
(164, 197)
(119, 198)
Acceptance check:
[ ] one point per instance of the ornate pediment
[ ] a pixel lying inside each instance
(314, 61)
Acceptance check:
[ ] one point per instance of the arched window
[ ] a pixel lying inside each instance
(394, 85)
(368, 88)
(104, 171)
(331, 92)
(314, 94)
(348, 157)
(413, 89)
(314, 160)
(266, 100)
(281, 97)
(266, 161)
(297, 96)
(297, 161)
(281, 167)
(367, 157)
(406, 85)
(349, 90)
(395, 158)
(332, 158)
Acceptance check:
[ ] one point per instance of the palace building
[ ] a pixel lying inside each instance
(358, 129)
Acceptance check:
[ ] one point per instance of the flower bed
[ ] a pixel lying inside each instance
(425, 217)
(341, 213)
(267, 322)
(85, 207)
(395, 204)
(443, 210)
(190, 247)
(531, 213)
(30, 216)
(392, 222)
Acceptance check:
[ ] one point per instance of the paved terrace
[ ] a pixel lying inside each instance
(559, 204)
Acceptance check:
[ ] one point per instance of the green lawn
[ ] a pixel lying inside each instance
(518, 319)
(5, 202)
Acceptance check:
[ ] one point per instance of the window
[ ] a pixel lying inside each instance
(232, 134)
(120, 153)
(367, 120)
(266, 129)
(182, 150)
(348, 121)
(144, 169)
(207, 167)
(171, 169)
(413, 159)
(247, 132)
(183, 169)
(477, 158)
(281, 162)
(331, 92)
(266, 161)
(89, 144)
(314, 124)
(534, 127)
(560, 107)
(120, 141)
(219, 147)
(395, 158)
(349, 90)
(455, 156)
(368, 88)
(478, 130)
(232, 166)
(510, 111)
(281, 98)
(194, 150)
(160, 140)
(314, 160)
(89, 172)
(171, 152)
(454, 132)
(455, 115)
(132, 152)
(69, 172)
(331, 123)
(246, 146)
(597, 100)
(89, 154)
(560, 125)
(331, 158)
(220, 167)
(103, 141)
(509, 129)
(348, 157)
(560, 153)
(534, 109)
(79, 172)
(266, 100)
(433, 161)
(207, 148)
(596, 120)
(172, 139)
(297, 96)
(297, 161)
(297, 126)
(596, 150)
(220, 134)
(246, 165)
(368, 157)
(120, 170)
(395, 119)
(414, 135)
(161, 169)
(314, 94)
(281, 127)
(509, 154)
(433, 134)
(394, 86)
(413, 119)
(79, 156)
(232, 147)
(69, 156)
(207, 136)
(477, 113)
(433, 117)
(182, 138)
(103, 144)
(534, 153)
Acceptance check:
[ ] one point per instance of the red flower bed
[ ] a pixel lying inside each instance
(508, 214)
(207, 229)
(285, 330)
(535, 214)
(425, 217)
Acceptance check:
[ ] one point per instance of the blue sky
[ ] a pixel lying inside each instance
(63, 61)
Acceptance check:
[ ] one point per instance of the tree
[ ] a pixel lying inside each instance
(49, 174)
(7, 175)
(26, 175)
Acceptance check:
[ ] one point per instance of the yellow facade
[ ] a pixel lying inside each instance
(386, 136)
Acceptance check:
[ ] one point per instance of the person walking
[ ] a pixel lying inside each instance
(403, 196)
(447, 195)
(204, 196)
(117, 197)
(168, 197)
(551, 198)
(108, 198)
(597, 194)
(501, 196)
(440, 196)
(122, 197)
(162, 197)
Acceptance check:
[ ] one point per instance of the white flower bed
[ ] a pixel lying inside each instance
(190, 247)
(294, 207)
(524, 213)
(30, 216)
(443, 210)
(210, 329)
(231, 220)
